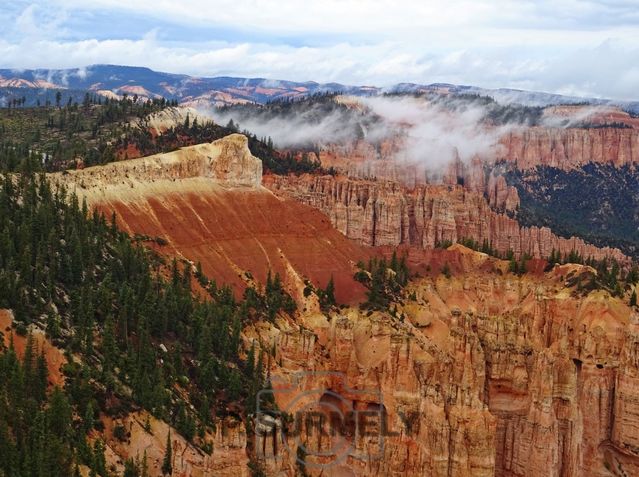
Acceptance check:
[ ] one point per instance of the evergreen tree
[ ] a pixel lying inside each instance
(167, 462)
(131, 469)
(513, 266)
(145, 466)
(327, 296)
(446, 270)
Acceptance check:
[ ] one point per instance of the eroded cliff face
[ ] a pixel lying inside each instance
(226, 162)
(147, 436)
(525, 148)
(485, 373)
(205, 204)
(387, 213)
(389, 199)
(571, 147)
(481, 374)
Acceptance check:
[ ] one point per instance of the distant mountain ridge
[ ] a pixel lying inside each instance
(206, 91)
(192, 90)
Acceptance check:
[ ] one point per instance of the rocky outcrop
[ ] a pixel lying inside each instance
(571, 147)
(564, 148)
(500, 195)
(161, 121)
(147, 437)
(556, 373)
(432, 418)
(483, 373)
(204, 204)
(226, 162)
(385, 213)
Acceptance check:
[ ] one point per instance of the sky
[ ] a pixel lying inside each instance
(574, 47)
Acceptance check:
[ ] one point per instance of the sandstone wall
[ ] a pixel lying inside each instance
(564, 148)
(570, 148)
(385, 213)
(486, 374)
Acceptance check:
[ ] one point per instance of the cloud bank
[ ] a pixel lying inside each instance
(425, 133)
(301, 127)
(433, 134)
(564, 46)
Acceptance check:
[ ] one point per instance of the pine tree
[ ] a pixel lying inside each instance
(109, 345)
(327, 296)
(235, 385)
(522, 265)
(633, 298)
(250, 360)
(145, 466)
(513, 266)
(167, 463)
(131, 469)
(446, 270)
(41, 378)
(99, 460)
(88, 418)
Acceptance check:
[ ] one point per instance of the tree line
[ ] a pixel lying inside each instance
(130, 315)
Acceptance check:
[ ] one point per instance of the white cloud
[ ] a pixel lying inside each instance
(379, 16)
(428, 135)
(434, 136)
(569, 46)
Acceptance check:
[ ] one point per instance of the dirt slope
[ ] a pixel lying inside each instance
(205, 201)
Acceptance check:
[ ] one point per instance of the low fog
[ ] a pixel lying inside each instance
(572, 116)
(298, 128)
(432, 131)
(436, 133)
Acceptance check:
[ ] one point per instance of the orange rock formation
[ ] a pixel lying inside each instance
(483, 374)
(386, 213)
(206, 202)
(572, 147)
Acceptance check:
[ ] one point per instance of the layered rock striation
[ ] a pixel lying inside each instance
(570, 148)
(386, 213)
(205, 204)
(226, 162)
(481, 374)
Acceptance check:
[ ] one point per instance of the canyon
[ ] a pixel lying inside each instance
(476, 373)
(378, 213)
(384, 195)
(482, 374)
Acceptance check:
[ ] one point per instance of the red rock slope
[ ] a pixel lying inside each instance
(206, 202)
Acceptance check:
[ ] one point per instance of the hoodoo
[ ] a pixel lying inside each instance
(415, 280)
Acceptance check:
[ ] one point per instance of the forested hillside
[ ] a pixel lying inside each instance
(134, 331)
(101, 130)
(597, 202)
